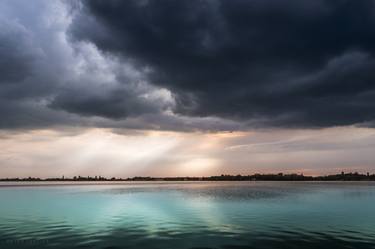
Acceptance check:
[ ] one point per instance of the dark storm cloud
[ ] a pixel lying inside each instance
(277, 63)
(115, 105)
(17, 56)
(187, 65)
(46, 80)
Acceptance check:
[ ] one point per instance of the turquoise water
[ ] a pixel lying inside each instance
(189, 215)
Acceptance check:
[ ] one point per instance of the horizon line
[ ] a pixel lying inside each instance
(256, 176)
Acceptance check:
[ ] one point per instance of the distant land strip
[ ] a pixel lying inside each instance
(255, 177)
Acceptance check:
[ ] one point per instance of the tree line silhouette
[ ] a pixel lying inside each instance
(255, 177)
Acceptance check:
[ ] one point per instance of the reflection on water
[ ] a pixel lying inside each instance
(189, 215)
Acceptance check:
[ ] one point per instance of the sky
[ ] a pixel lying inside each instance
(186, 88)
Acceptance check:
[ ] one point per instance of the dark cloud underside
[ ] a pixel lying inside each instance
(187, 65)
(282, 63)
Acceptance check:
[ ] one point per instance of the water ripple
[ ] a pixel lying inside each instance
(201, 215)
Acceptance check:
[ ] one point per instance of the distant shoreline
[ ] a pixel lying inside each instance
(255, 177)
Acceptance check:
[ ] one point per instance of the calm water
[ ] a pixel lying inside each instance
(189, 215)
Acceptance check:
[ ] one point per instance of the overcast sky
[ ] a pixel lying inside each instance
(165, 87)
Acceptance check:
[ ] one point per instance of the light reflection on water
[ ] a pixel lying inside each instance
(189, 215)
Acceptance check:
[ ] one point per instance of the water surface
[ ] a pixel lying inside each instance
(188, 215)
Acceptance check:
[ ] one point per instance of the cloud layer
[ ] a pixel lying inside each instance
(159, 153)
(187, 65)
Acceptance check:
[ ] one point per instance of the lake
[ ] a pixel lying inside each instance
(188, 215)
